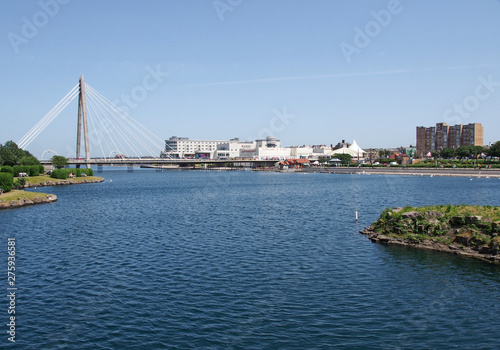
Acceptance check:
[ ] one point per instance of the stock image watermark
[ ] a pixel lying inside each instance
(223, 6)
(30, 27)
(154, 77)
(372, 29)
(482, 92)
(11, 289)
(278, 123)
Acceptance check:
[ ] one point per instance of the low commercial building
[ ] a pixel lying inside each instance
(264, 149)
(185, 148)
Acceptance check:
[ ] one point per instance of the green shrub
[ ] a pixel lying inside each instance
(30, 170)
(33, 170)
(7, 169)
(88, 171)
(64, 173)
(6, 181)
(60, 174)
(17, 169)
(19, 182)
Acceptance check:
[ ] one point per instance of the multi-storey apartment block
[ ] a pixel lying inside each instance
(448, 136)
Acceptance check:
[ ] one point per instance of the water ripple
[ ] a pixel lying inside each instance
(240, 260)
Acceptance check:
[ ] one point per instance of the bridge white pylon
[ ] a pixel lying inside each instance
(107, 128)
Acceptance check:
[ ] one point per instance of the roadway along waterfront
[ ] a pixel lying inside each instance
(410, 171)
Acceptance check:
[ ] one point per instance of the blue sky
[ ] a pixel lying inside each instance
(363, 69)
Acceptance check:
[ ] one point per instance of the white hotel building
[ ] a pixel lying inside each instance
(183, 147)
(269, 148)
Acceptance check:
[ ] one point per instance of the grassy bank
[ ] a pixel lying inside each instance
(46, 180)
(472, 230)
(15, 194)
(18, 198)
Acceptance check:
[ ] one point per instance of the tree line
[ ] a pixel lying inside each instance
(11, 154)
(468, 151)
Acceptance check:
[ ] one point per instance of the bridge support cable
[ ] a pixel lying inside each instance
(90, 114)
(104, 114)
(138, 131)
(48, 118)
(113, 128)
(126, 125)
(105, 129)
(134, 123)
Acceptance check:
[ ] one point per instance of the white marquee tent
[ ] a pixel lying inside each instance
(354, 150)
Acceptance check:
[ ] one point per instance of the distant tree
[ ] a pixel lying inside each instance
(7, 157)
(28, 161)
(494, 150)
(59, 161)
(435, 153)
(464, 151)
(448, 153)
(384, 153)
(477, 150)
(10, 153)
(345, 158)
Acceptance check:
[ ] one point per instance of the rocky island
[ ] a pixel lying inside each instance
(470, 231)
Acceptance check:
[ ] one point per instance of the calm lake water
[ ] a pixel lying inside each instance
(242, 260)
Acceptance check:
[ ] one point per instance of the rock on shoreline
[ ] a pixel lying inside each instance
(22, 202)
(64, 182)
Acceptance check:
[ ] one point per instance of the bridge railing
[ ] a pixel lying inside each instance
(74, 161)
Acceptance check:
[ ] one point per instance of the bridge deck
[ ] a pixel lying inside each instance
(150, 161)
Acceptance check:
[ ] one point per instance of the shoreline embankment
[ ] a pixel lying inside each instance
(409, 171)
(59, 182)
(20, 198)
(460, 172)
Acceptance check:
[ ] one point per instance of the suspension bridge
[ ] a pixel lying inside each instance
(115, 137)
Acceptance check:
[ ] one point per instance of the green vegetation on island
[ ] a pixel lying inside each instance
(49, 180)
(20, 169)
(59, 161)
(17, 198)
(18, 194)
(15, 165)
(463, 229)
(71, 173)
(11, 154)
